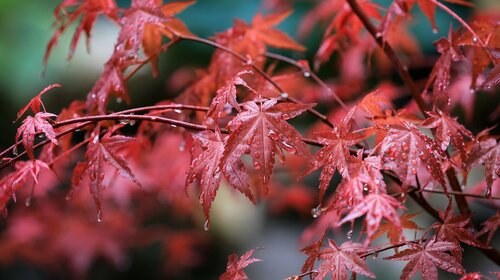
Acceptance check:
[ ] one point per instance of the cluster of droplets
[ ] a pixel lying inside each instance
(316, 211)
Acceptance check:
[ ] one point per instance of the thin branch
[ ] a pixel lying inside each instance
(386, 47)
(307, 72)
(261, 72)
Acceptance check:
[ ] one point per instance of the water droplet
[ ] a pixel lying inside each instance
(99, 216)
(173, 125)
(206, 226)
(285, 116)
(403, 197)
(289, 148)
(378, 34)
(349, 234)
(124, 121)
(273, 135)
(316, 212)
(256, 165)
(413, 170)
(178, 111)
(27, 202)
(307, 74)
(435, 30)
(284, 95)
(96, 138)
(365, 189)
(488, 193)
(41, 135)
(119, 100)
(321, 154)
(182, 146)
(474, 39)
(93, 96)
(374, 256)
(15, 151)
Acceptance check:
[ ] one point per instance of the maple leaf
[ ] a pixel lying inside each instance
(490, 226)
(110, 82)
(261, 30)
(207, 152)
(453, 229)
(234, 268)
(334, 155)
(100, 154)
(261, 130)
(393, 233)
(376, 207)
(427, 257)
(413, 150)
(89, 10)
(16, 179)
(337, 260)
(449, 130)
(31, 126)
(486, 152)
(227, 95)
(36, 102)
(313, 252)
(153, 33)
(472, 276)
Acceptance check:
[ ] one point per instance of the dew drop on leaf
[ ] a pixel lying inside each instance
(435, 30)
(99, 216)
(284, 95)
(273, 135)
(119, 100)
(27, 202)
(178, 111)
(488, 193)
(14, 151)
(206, 226)
(307, 74)
(289, 148)
(256, 165)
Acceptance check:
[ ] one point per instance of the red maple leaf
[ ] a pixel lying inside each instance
(454, 229)
(261, 130)
(234, 268)
(486, 152)
(313, 252)
(427, 257)
(394, 234)
(490, 226)
(31, 126)
(335, 154)
(89, 10)
(376, 207)
(16, 179)
(100, 154)
(337, 260)
(405, 150)
(449, 130)
(206, 154)
(36, 102)
(261, 30)
(227, 95)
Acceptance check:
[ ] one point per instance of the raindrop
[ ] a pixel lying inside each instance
(124, 121)
(27, 202)
(435, 30)
(374, 256)
(119, 100)
(99, 216)
(41, 135)
(289, 148)
(206, 226)
(273, 135)
(316, 212)
(96, 138)
(307, 74)
(285, 116)
(284, 95)
(178, 111)
(403, 197)
(378, 34)
(182, 146)
(256, 165)
(488, 193)
(173, 125)
(349, 234)
(15, 151)
(474, 39)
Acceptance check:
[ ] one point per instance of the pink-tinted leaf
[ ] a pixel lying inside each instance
(427, 257)
(33, 125)
(336, 261)
(235, 266)
(36, 102)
